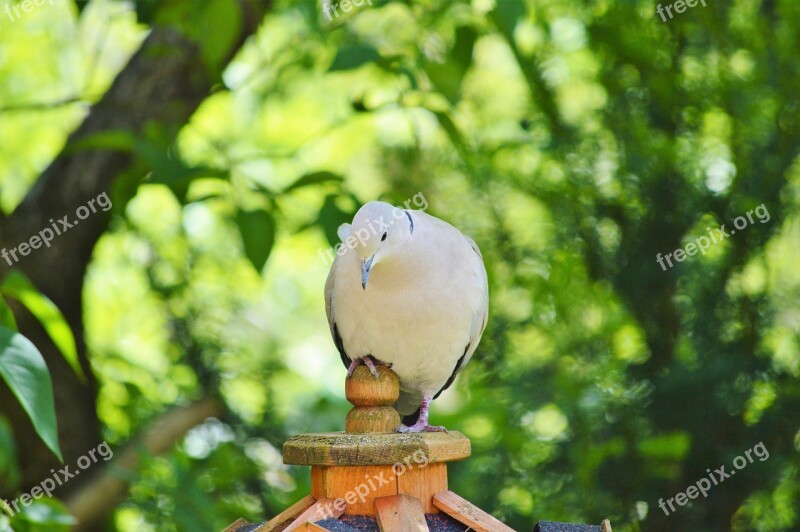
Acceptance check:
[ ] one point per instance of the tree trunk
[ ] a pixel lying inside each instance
(164, 83)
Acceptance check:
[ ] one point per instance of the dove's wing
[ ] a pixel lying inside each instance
(479, 319)
(344, 232)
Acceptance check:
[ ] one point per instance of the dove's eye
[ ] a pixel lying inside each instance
(385, 234)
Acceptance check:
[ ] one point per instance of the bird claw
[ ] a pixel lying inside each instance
(371, 365)
(353, 365)
(421, 427)
(369, 362)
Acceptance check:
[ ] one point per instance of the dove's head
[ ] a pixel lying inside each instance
(377, 233)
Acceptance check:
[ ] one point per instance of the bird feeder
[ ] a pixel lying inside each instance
(372, 478)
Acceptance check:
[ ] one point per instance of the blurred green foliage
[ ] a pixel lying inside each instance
(574, 140)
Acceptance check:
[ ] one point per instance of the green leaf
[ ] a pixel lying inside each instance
(213, 24)
(23, 369)
(111, 140)
(18, 287)
(258, 235)
(464, 46)
(6, 316)
(447, 76)
(313, 179)
(507, 14)
(672, 446)
(145, 11)
(9, 470)
(44, 514)
(354, 57)
(331, 216)
(170, 170)
(218, 28)
(178, 174)
(450, 127)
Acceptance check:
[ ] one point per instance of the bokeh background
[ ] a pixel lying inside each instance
(573, 140)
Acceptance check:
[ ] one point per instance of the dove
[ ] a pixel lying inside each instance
(409, 291)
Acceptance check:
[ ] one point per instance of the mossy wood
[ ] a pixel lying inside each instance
(338, 449)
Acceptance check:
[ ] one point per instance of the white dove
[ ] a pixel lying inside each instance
(408, 291)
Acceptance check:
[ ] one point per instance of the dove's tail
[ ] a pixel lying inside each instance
(411, 419)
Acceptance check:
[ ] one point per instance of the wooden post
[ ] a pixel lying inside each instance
(370, 460)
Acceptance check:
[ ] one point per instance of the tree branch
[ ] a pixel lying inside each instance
(92, 503)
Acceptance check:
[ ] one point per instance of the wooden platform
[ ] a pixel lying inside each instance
(342, 449)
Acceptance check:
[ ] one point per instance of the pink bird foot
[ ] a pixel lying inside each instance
(366, 361)
(422, 421)
(420, 427)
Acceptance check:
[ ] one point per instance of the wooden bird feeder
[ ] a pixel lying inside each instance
(376, 477)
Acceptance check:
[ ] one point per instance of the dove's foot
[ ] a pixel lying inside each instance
(366, 361)
(420, 427)
(421, 424)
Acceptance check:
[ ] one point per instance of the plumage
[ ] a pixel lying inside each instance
(411, 291)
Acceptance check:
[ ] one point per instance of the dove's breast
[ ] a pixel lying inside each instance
(418, 315)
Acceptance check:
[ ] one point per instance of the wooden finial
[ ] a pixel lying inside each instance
(372, 399)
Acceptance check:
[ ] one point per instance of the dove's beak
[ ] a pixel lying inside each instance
(366, 267)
